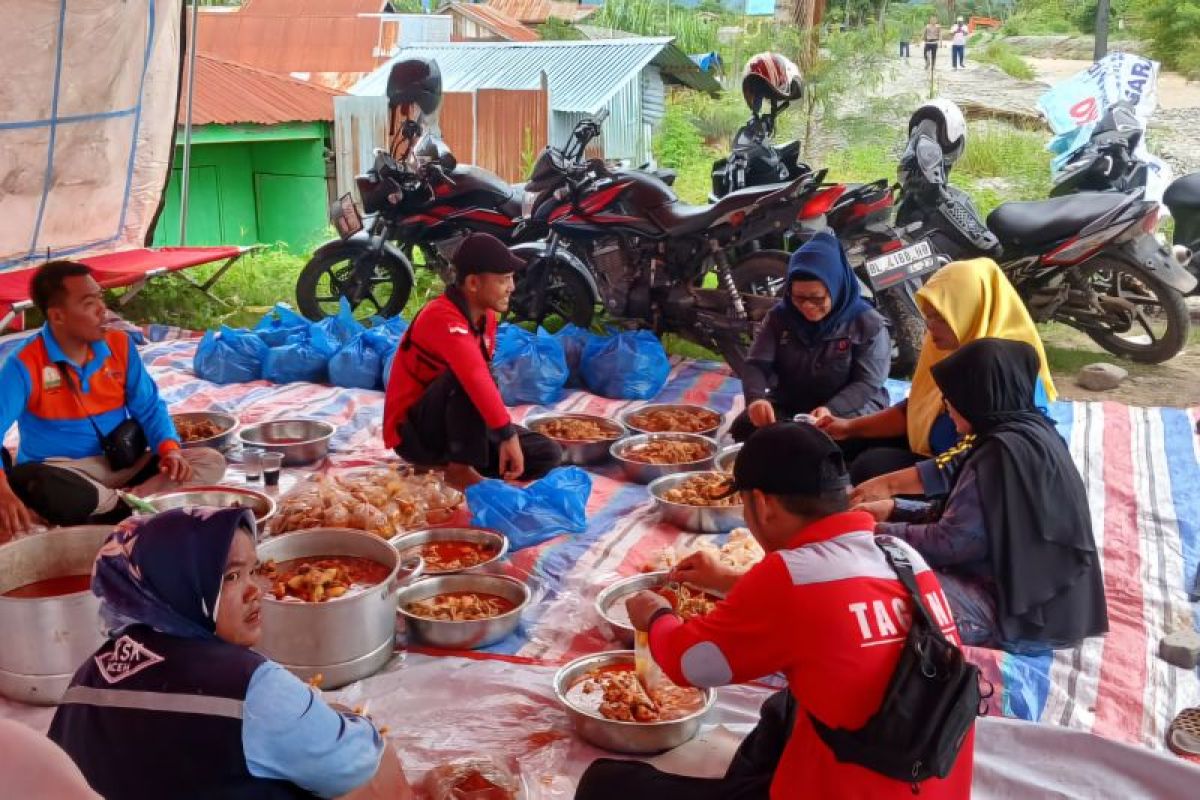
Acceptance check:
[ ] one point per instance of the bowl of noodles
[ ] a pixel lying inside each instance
(649, 456)
(687, 600)
(698, 501)
(585, 439)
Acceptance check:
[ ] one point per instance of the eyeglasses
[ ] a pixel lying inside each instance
(814, 300)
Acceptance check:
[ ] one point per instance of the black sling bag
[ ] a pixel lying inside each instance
(930, 704)
(124, 444)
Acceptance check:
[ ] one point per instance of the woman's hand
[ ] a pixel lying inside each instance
(761, 413)
(872, 491)
(881, 510)
(835, 428)
(705, 570)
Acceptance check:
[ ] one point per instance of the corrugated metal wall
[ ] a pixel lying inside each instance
(359, 126)
(512, 130)
(626, 131)
(457, 122)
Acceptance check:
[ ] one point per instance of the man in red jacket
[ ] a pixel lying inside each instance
(824, 607)
(443, 407)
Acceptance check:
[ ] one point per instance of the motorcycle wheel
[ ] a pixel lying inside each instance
(1161, 315)
(907, 331)
(319, 287)
(568, 297)
(763, 274)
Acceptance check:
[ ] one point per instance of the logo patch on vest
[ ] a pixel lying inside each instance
(128, 657)
(51, 377)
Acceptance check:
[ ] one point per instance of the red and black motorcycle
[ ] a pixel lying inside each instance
(624, 241)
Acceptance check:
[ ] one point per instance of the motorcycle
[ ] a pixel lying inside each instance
(623, 240)
(1089, 260)
(1108, 163)
(889, 267)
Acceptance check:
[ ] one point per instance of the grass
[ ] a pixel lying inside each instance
(1001, 55)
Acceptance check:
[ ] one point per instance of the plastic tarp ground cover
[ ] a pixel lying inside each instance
(87, 112)
(1141, 468)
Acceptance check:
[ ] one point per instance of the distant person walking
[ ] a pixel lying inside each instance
(958, 45)
(932, 36)
(905, 40)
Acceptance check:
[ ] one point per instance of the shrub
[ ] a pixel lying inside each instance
(1004, 57)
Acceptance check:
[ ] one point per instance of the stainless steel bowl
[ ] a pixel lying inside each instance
(225, 422)
(405, 541)
(618, 592)
(645, 473)
(581, 452)
(725, 458)
(624, 737)
(464, 635)
(302, 441)
(262, 505)
(49, 637)
(700, 519)
(630, 412)
(345, 639)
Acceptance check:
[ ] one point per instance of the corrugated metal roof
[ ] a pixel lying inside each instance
(229, 93)
(305, 36)
(493, 19)
(536, 12)
(582, 75)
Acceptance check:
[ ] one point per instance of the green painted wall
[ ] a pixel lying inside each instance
(251, 184)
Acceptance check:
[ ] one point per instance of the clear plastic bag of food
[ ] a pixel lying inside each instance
(471, 779)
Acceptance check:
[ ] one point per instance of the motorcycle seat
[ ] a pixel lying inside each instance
(683, 218)
(1183, 193)
(1042, 221)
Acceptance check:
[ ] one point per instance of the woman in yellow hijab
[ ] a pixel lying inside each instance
(962, 302)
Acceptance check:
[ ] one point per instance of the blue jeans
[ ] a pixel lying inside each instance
(904, 49)
(958, 54)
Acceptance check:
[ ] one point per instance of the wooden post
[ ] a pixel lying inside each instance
(1101, 49)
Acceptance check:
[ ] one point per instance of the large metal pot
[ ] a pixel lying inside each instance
(219, 497)
(615, 735)
(302, 441)
(345, 639)
(47, 638)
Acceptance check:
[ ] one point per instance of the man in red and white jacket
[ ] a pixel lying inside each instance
(823, 607)
(442, 406)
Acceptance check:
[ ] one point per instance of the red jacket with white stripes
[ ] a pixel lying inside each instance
(442, 338)
(831, 615)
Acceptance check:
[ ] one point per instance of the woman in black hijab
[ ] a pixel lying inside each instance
(1010, 529)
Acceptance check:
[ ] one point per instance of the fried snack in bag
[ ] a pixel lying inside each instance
(471, 779)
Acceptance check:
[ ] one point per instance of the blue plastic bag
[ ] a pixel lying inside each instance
(554, 505)
(387, 368)
(573, 339)
(280, 324)
(392, 326)
(231, 356)
(630, 365)
(341, 327)
(304, 358)
(359, 363)
(529, 368)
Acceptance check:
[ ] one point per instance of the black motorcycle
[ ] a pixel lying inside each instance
(1107, 163)
(1089, 260)
(623, 240)
(889, 265)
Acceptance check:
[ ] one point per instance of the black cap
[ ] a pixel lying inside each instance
(482, 252)
(790, 458)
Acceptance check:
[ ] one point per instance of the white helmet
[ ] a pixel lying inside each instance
(950, 122)
(770, 76)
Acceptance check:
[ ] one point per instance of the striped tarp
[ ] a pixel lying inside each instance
(1141, 467)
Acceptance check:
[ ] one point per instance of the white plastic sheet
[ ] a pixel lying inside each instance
(87, 111)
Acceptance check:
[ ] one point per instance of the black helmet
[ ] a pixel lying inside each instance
(415, 80)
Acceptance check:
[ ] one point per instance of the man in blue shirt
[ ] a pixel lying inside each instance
(66, 388)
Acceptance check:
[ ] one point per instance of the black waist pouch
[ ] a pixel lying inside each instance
(929, 707)
(124, 445)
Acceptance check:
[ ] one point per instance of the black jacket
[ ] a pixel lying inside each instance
(845, 373)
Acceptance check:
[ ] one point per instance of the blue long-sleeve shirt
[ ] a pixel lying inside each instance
(50, 397)
(290, 734)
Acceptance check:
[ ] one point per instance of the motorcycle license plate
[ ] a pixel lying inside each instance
(345, 217)
(888, 270)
